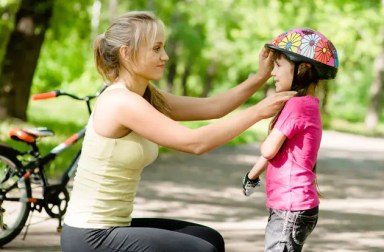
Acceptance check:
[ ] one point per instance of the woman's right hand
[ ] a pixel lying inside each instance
(272, 104)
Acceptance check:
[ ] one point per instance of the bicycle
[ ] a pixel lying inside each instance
(18, 168)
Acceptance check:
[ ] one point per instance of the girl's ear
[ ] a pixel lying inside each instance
(303, 67)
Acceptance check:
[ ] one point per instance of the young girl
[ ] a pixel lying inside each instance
(289, 153)
(130, 119)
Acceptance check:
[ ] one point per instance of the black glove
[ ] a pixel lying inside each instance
(249, 185)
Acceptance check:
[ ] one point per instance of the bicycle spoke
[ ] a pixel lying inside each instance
(13, 212)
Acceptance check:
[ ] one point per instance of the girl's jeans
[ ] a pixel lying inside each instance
(286, 231)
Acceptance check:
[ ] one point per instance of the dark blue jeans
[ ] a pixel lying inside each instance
(287, 231)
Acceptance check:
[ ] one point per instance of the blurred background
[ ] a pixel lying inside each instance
(213, 45)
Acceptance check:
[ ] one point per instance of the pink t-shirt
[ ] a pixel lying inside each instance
(290, 177)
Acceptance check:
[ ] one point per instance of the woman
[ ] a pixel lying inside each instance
(130, 119)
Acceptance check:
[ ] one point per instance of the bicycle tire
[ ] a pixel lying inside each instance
(15, 212)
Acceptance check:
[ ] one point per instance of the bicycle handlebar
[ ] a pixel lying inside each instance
(57, 93)
(47, 95)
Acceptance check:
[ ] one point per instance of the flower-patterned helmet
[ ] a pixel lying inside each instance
(307, 45)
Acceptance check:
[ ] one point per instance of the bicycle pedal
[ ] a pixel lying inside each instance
(35, 179)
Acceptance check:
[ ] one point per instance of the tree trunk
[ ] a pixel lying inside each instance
(211, 73)
(184, 78)
(113, 13)
(324, 97)
(372, 117)
(95, 21)
(172, 66)
(21, 56)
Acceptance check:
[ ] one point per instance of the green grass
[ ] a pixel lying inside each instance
(357, 128)
(66, 117)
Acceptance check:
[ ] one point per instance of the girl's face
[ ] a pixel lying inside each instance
(151, 59)
(283, 74)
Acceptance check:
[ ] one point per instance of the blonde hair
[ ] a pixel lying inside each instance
(132, 29)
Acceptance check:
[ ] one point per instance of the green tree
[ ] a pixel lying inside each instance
(21, 55)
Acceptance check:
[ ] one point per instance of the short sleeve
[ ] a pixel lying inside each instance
(289, 122)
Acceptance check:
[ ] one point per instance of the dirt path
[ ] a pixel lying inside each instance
(206, 189)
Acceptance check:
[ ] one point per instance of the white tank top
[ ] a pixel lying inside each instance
(106, 180)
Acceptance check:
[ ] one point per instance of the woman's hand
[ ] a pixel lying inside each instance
(265, 63)
(272, 104)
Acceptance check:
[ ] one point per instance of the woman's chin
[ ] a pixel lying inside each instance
(157, 78)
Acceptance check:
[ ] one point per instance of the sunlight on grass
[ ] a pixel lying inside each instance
(357, 128)
(62, 110)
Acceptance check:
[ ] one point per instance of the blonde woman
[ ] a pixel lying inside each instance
(130, 119)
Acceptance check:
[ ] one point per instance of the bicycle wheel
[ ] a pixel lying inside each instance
(14, 213)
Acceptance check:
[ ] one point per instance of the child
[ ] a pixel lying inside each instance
(289, 153)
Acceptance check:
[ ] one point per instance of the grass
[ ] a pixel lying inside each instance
(66, 117)
(357, 128)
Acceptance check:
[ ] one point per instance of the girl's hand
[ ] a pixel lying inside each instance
(272, 104)
(249, 185)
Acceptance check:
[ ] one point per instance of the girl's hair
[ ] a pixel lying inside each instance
(133, 29)
(304, 76)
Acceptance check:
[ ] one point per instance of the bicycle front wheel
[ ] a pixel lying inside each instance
(15, 211)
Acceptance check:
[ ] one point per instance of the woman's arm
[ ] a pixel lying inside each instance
(133, 112)
(189, 108)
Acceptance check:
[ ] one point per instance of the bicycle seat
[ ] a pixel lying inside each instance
(30, 135)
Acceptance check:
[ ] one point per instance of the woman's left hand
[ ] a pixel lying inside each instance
(265, 63)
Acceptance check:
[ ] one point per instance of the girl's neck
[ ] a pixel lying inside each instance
(311, 90)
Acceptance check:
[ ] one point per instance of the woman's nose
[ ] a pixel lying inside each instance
(164, 56)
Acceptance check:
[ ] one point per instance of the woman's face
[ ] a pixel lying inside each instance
(282, 74)
(151, 58)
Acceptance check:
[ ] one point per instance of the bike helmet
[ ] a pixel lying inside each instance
(306, 45)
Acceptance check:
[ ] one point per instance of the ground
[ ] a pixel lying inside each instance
(207, 189)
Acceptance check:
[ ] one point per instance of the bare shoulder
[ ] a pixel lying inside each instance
(118, 98)
(114, 112)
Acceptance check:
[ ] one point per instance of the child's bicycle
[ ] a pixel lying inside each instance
(17, 169)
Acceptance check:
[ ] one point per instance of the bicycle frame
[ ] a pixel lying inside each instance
(41, 162)
(53, 195)
(69, 172)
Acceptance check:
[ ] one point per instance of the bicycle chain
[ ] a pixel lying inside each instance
(56, 200)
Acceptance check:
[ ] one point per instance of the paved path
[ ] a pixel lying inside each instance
(206, 189)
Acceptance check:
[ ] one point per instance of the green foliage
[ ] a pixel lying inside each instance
(67, 48)
(226, 34)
